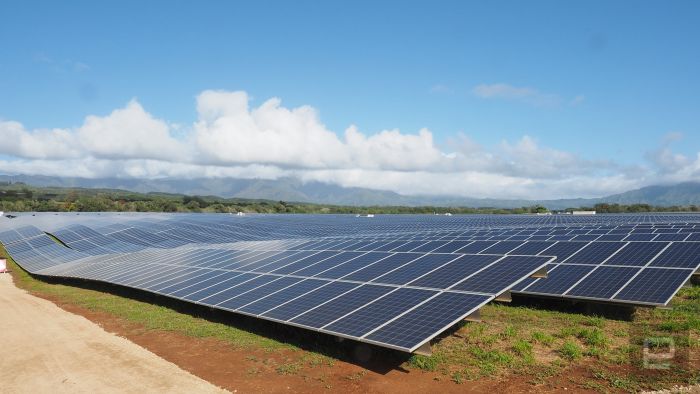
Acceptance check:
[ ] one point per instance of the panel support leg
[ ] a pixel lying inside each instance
(474, 317)
(540, 273)
(504, 297)
(424, 350)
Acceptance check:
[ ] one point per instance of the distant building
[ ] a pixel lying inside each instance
(583, 212)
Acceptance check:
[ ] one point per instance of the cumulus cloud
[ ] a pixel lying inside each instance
(231, 138)
(129, 132)
(15, 140)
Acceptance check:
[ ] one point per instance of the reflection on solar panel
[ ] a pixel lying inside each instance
(395, 281)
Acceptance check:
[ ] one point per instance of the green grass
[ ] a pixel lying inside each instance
(570, 351)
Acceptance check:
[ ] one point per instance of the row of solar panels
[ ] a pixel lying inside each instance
(428, 273)
(262, 227)
(660, 267)
(397, 300)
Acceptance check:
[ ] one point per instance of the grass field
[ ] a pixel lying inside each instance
(511, 341)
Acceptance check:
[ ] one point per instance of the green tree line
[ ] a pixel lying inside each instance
(23, 198)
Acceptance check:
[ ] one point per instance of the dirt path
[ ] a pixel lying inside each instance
(46, 349)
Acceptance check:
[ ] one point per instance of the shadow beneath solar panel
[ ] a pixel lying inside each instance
(374, 358)
(588, 308)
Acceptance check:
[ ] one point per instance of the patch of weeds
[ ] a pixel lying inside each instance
(544, 372)
(356, 376)
(509, 332)
(595, 386)
(288, 368)
(620, 333)
(656, 342)
(593, 351)
(457, 377)
(594, 337)
(543, 338)
(316, 359)
(570, 351)
(426, 363)
(523, 348)
(491, 356)
(616, 381)
(593, 321)
(566, 332)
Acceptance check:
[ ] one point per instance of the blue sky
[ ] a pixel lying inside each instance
(605, 82)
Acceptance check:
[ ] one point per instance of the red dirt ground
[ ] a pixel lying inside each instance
(250, 370)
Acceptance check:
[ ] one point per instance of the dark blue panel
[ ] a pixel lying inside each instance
(681, 255)
(157, 275)
(532, 247)
(501, 275)
(641, 237)
(407, 246)
(603, 282)
(415, 327)
(277, 283)
(585, 237)
(455, 271)
(327, 264)
(561, 237)
(378, 312)
(502, 247)
(283, 296)
(208, 275)
(416, 268)
(255, 266)
(389, 246)
(693, 236)
(241, 260)
(430, 246)
(353, 265)
(189, 274)
(612, 237)
(222, 285)
(342, 305)
(476, 246)
(310, 300)
(246, 262)
(671, 237)
(654, 285)
(594, 253)
(237, 289)
(452, 246)
(637, 253)
(297, 256)
(527, 282)
(382, 267)
(305, 262)
(560, 278)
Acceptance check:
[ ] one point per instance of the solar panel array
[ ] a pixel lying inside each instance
(395, 281)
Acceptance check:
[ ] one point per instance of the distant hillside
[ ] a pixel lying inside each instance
(291, 189)
(687, 193)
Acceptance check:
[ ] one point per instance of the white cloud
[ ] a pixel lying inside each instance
(129, 132)
(232, 139)
(527, 95)
(15, 140)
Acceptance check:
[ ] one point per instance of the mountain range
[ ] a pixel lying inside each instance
(292, 189)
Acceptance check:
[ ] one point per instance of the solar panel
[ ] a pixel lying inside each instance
(396, 281)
